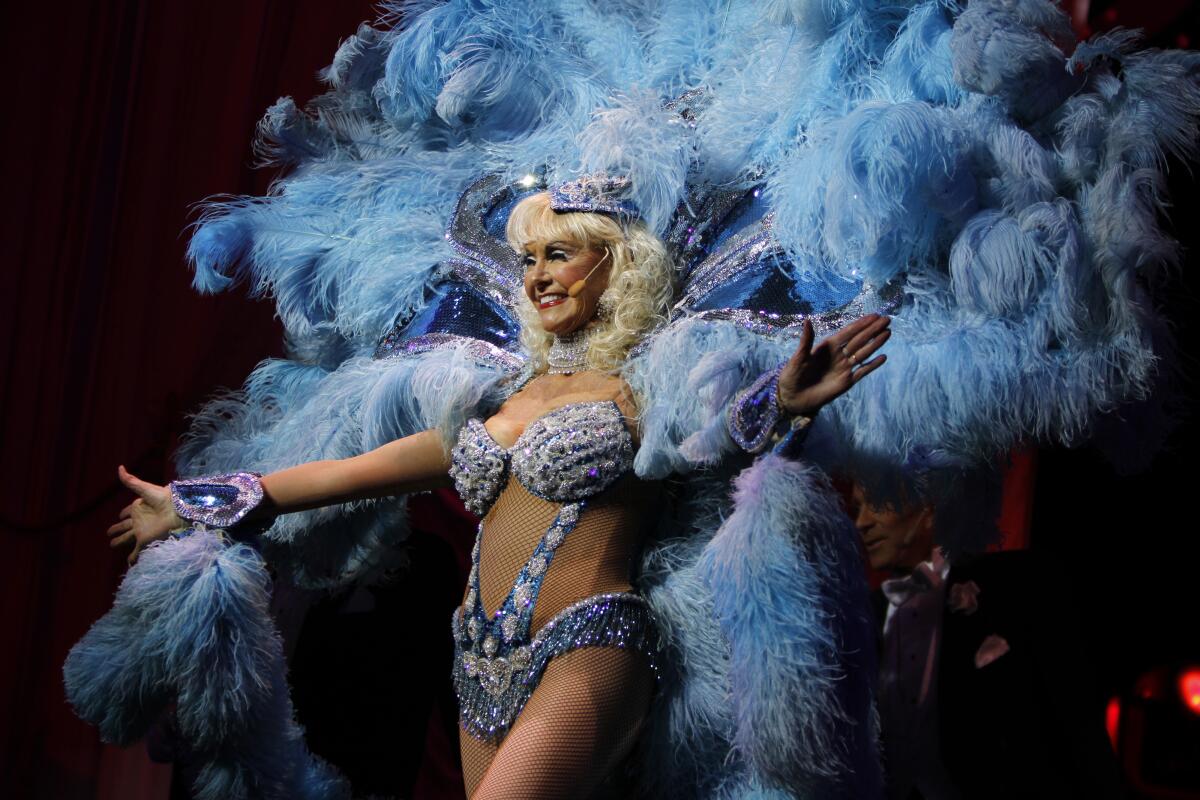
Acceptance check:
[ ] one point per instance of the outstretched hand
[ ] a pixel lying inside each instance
(815, 375)
(147, 519)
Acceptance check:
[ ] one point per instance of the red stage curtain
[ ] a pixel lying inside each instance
(118, 117)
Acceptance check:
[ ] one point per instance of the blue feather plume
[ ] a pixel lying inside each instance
(191, 622)
(789, 590)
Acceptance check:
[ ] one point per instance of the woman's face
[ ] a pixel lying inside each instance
(551, 268)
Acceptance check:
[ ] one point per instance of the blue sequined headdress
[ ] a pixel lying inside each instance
(598, 193)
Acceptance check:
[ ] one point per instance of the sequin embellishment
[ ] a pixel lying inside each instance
(754, 413)
(597, 193)
(567, 456)
(218, 501)
(479, 467)
(493, 690)
(573, 452)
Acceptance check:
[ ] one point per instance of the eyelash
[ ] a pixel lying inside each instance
(555, 255)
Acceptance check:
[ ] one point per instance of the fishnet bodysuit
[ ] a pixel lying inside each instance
(584, 716)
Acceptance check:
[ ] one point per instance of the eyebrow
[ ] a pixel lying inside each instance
(555, 244)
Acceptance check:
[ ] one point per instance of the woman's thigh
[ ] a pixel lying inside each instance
(476, 758)
(578, 725)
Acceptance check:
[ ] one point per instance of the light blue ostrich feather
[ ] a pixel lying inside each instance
(621, 53)
(682, 428)
(494, 70)
(637, 137)
(1020, 170)
(685, 747)
(899, 176)
(815, 18)
(790, 593)
(768, 98)
(1004, 266)
(344, 245)
(917, 65)
(1014, 51)
(752, 112)
(191, 623)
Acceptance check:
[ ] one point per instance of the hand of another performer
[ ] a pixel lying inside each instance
(815, 375)
(147, 519)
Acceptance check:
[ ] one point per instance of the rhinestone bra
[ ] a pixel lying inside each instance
(570, 454)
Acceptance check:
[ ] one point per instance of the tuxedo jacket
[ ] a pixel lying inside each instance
(1018, 716)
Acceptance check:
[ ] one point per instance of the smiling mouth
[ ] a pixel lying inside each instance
(548, 300)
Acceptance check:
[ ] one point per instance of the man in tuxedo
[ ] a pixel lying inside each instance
(983, 691)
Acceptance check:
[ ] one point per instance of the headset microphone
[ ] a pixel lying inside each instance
(577, 287)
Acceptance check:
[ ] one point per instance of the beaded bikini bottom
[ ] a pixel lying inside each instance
(498, 664)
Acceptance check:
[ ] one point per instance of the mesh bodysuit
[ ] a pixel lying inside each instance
(549, 605)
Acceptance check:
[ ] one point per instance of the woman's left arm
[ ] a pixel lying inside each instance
(815, 375)
(797, 389)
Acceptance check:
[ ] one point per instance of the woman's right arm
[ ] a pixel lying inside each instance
(412, 464)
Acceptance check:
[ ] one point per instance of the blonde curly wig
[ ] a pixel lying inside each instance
(640, 283)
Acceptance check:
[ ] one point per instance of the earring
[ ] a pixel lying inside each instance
(606, 307)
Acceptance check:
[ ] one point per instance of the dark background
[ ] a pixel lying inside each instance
(118, 117)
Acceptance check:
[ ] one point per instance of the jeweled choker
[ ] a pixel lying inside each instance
(568, 353)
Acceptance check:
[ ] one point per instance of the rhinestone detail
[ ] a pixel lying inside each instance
(568, 354)
(218, 501)
(597, 193)
(755, 412)
(499, 647)
(575, 451)
(568, 455)
(479, 468)
(493, 690)
(395, 346)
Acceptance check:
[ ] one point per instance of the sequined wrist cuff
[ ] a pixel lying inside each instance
(218, 501)
(791, 442)
(755, 412)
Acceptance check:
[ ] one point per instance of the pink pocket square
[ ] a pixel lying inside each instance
(992, 648)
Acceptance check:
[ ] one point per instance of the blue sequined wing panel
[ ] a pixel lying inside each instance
(474, 302)
(734, 269)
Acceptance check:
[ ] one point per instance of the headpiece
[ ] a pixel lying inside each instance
(598, 193)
